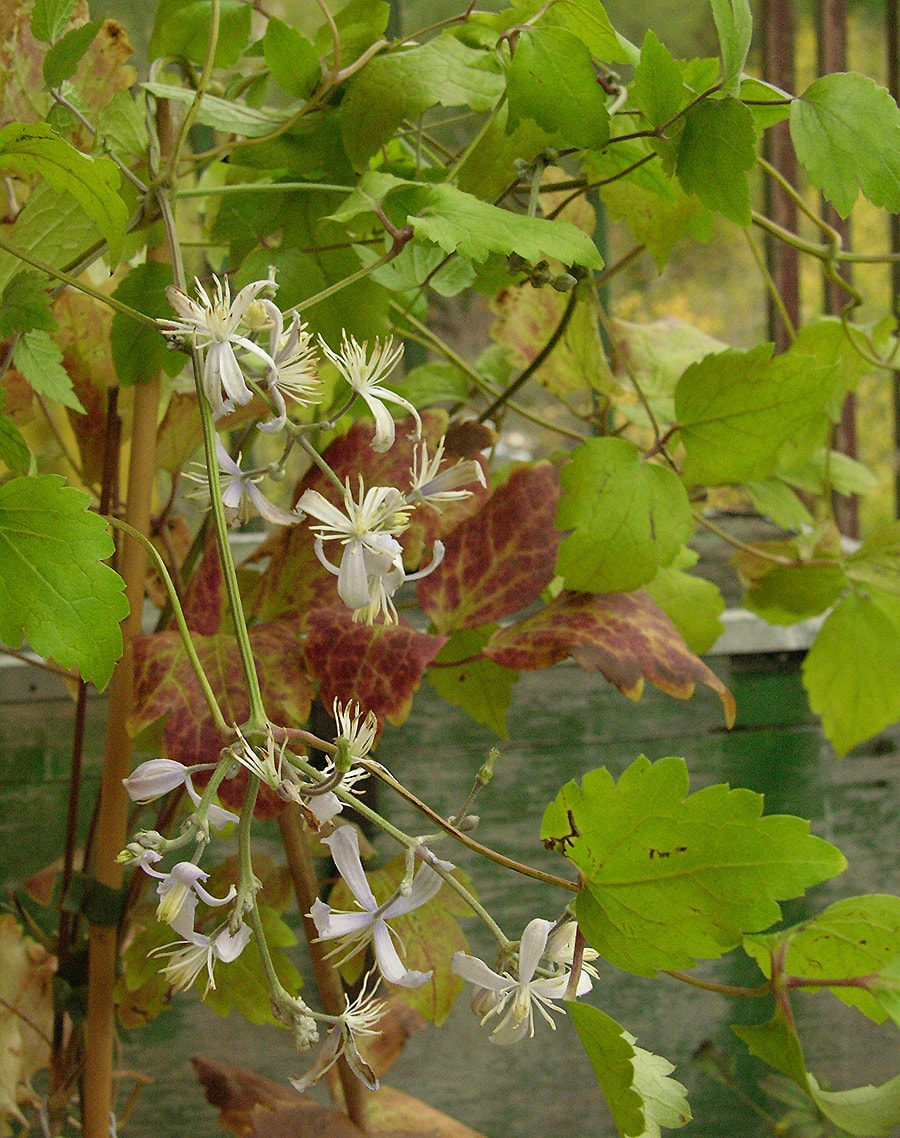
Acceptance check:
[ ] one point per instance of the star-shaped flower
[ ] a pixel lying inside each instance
(189, 957)
(356, 930)
(358, 1021)
(364, 374)
(522, 994)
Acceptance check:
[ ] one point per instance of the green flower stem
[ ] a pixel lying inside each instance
(359, 275)
(261, 188)
(771, 287)
(178, 613)
(257, 718)
(75, 282)
(202, 83)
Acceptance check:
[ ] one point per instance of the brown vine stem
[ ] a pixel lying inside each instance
(721, 989)
(331, 991)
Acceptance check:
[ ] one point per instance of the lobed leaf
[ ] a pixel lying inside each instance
(669, 877)
(181, 28)
(462, 676)
(39, 360)
(66, 601)
(716, 149)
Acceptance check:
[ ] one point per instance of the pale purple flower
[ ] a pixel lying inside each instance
(212, 325)
(179, 890)
(157, 777)
(357, 929)
(523, 993)
(434, 486)
(357, 1021)
(295, 371)
(364, 374)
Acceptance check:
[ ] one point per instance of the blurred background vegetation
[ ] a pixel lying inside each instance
(716, 285)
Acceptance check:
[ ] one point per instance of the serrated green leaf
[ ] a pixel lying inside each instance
(359, 23)
(777, 501)
(480, 687)
(657, 354)
(769, 104)
(627, 518)
(40, 361)
(242, 985)
(139, 352)
(856, 937)
(877, 561)
(14, 452)
(635, 1083)
(851, 671)
(777, 1044)
(181, 28)
(846, 131)
(870, 1112)
(403, 84)
(670, 878)
(235, 118)
(52, 226)
(552, 80)
(433, 383)
(716, 149)
(292, 58)
(458, 222)
(588, 20)
(61, 61)
(658, 87)
(122, 124)
(49, 18)
(737, 410)
(734, 23)
(418, 263)
(693, 604)
(93, 182)
(55, 589)
(25, 306)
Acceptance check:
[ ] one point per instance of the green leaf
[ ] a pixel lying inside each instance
(658, 87)
(777, 501)
(628, 517)
(417, 263)
(777, 1044)
(403, 84)
(139, 352)
(181, 28)
(787, 593)
(234, 118)
(49, 18)
(61, 61)
(40, 361)
(292, 58)
(552, 80)
(458, 222)
(588, 20)
(737, 409)
(635, 1083)
(776, 103)
(734, 23)
(14, 452)
(360, 23)
(55, 589)
(433, 383)
(850, 672)
(670, 878)
(856, 937)
(51, 226)
(716, 149)
(242, 984)
(846, 131)
(122, 124)
(480, 687)
(693, 604)
(864, 1111)
(25, 306)
(877, 561)
(93, 182)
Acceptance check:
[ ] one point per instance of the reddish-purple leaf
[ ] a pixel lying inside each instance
(624, 635)
(165, 686)
(379, 666)
(203, 599)
(499, 559)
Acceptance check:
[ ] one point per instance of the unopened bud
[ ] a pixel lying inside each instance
(564, 282)
(468, 823)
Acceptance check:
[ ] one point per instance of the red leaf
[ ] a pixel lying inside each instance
(203, 600)
(379, 666)
(165, 685)
(497, 561)
(624, 635)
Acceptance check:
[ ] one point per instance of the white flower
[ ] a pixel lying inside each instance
(213, 325)
(241, 497)
(561, 950)
(522, 995)
(189, 957)
(357, 929)
(435, 488)
(295, 373)
(157, 777)
(364, 376)
(179, 891)
(358, 1020)
(371, 568)
(266, 763)
(358, 738)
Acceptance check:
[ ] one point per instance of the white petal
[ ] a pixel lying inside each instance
(384, 423)
(228, 946)
(313, 503)
(269, 510)
(389, 963)
(531, 948)
(426, 885)
(478, 973)
(344, 846)
(353, 581)
(331, 924)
